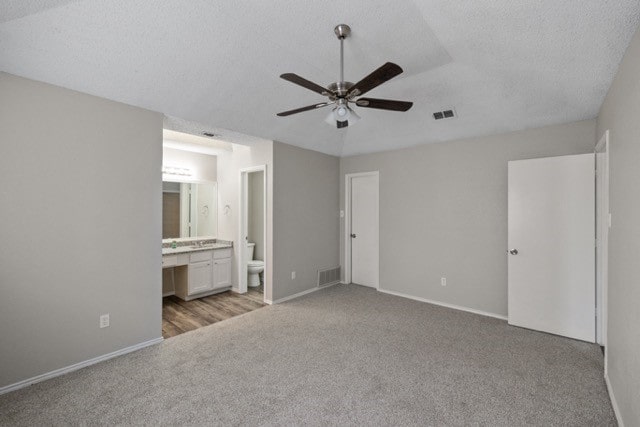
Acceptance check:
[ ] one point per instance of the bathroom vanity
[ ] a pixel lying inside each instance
(199, 271)
(199, 264)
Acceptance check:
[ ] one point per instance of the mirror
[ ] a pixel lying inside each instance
(189, 209)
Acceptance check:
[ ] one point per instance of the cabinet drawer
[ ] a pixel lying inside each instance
(222, 253)
(169, 261)
(200, 256)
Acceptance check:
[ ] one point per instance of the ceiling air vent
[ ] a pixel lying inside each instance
(446, 114)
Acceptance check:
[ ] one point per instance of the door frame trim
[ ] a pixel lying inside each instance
(347, 224)
(602, 280)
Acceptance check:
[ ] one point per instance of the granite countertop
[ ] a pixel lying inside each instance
(193, 247)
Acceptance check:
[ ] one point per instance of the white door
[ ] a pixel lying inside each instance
(552, 245)
(364, 230)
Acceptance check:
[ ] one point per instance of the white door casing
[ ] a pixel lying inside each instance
(362, 226)
(602, 235)
(244, 227)
(551, 218)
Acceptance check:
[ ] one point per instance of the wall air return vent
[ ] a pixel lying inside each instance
(329, 276)
(445, 114)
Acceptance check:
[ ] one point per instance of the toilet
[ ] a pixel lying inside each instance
(254, 268)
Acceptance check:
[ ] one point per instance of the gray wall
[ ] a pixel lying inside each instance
(443, 212)
(620, 114)
(90, 246)
(305, 217)
(256, 213)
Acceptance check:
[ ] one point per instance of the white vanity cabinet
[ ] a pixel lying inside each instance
(221, 268)
(200, 273)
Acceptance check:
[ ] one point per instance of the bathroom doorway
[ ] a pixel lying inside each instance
(252, 264)
(197, 265)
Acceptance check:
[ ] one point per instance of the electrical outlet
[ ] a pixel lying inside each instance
(104, 320)
(443, 281)
(293, 275)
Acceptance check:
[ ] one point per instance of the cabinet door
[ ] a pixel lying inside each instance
(200, 277)
(222, 273)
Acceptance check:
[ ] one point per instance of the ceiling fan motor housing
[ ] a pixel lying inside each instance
(340, 89)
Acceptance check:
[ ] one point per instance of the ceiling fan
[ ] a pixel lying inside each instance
(342, 93)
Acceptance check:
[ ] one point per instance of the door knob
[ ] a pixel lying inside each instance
(513, 252)
(353, 236)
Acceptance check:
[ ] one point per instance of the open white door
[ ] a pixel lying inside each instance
(551, 277)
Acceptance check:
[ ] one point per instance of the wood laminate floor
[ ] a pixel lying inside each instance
(180, 316)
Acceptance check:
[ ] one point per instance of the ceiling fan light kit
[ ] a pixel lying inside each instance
(342, 93)
(341, 112)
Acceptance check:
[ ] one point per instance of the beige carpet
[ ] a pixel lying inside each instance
(345, 355)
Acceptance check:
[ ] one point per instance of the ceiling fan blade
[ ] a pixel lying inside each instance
(376, 78)
(384, 104)
(307, 108)
(301, 81)
(342, 124)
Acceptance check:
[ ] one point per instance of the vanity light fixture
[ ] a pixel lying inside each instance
(176, 171)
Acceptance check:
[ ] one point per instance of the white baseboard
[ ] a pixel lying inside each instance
(299, 294)
(76, 366)
(444, 304)
(168, 294)
(614, 402)
(328, 285)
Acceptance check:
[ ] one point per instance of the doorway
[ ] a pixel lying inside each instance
(252, 263)
(362, 229)
(197, 266)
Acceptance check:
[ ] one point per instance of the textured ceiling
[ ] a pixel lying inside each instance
(504, 65)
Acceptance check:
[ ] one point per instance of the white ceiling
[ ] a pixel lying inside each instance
(504, 65)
